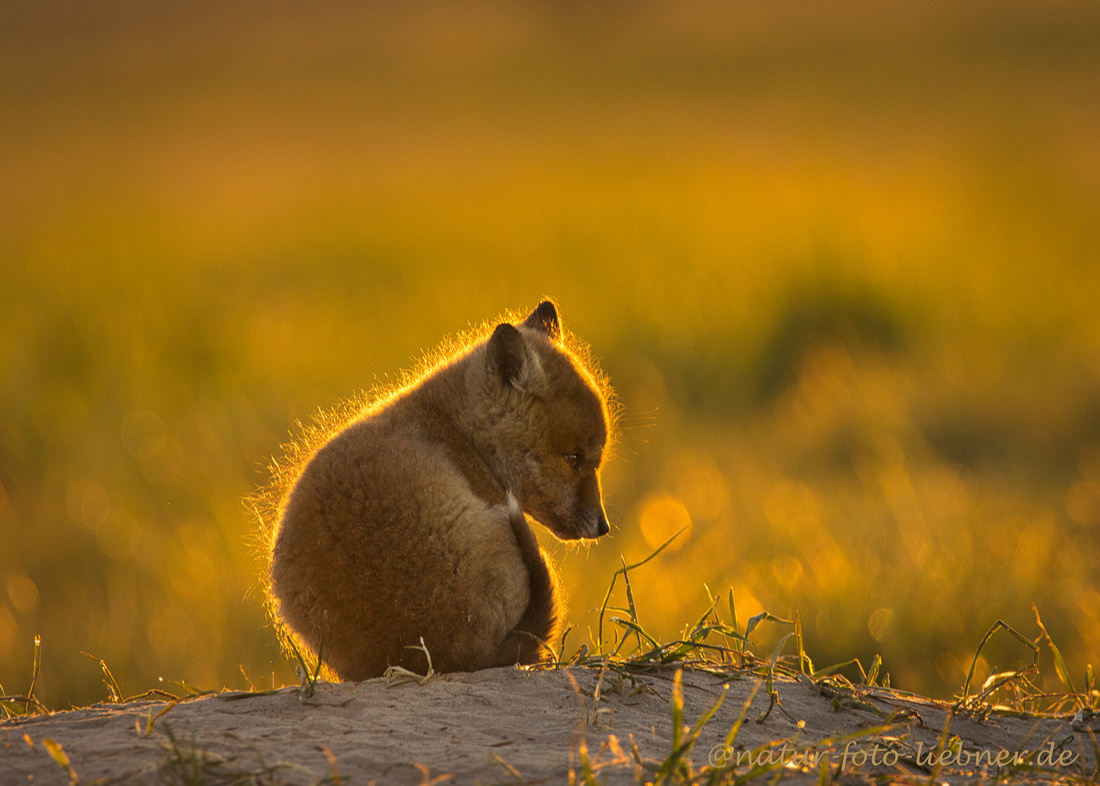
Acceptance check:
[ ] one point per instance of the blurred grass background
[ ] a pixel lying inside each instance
(839, 260)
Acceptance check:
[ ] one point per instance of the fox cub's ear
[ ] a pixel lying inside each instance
(545, 319)
(512, 361)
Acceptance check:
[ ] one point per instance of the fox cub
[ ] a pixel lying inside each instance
(410, 524)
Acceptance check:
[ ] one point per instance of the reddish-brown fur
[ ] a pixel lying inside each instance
(410, 524)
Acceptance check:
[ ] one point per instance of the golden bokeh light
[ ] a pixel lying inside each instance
(840, 267)
(660, 517)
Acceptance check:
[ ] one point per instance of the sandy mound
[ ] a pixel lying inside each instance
(514, 726)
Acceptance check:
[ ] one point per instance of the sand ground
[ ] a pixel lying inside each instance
(517, 726)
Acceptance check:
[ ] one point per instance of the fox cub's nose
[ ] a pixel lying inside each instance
(602, 527)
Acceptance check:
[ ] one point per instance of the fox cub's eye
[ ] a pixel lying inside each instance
(574, 460)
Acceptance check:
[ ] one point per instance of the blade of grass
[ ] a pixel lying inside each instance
(34, 668)
(1059, 661)
(824, 778)
(804, 661)
(996, 626)
(308, 686)
(337, 780)
(185, 687)
(677, 701)
(110, 681)
(153, 718)
(630, 601)
(763, 616)
(995, 682)
(828, 671)
(674, 763)
(941, 742)
(577, 744)
(615, 576)
(321, 654)
(731, 737)
(57, 753)
(701, 625)
(872, 675)
(398, 675)
(635, 628)
(733, 619)
(773, 696)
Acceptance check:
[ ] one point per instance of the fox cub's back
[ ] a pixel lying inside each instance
(409, 523)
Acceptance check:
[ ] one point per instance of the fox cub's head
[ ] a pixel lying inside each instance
(549, 425)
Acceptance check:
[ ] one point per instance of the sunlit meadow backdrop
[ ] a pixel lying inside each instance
(840, 261)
